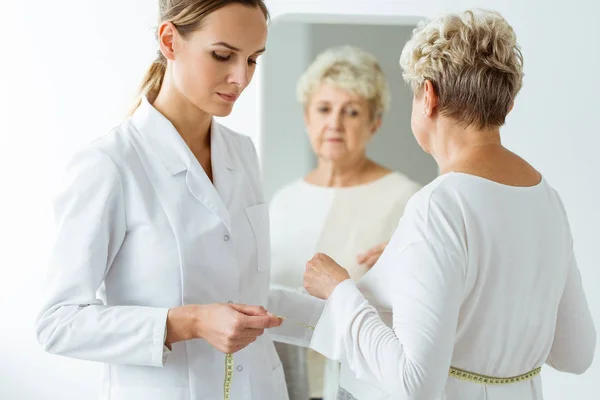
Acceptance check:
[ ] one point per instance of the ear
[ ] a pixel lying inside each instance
(376, 125)
(511, 107)
(430, 98)
(167, 37)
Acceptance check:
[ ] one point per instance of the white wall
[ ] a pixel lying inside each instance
(286, 152)
(68, 69)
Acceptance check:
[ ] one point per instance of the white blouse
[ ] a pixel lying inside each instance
(342, 222)
(479, 276)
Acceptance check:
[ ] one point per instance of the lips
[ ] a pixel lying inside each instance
(231, 97)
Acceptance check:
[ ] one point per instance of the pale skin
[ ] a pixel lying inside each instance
(340, 125)
(455, 148)
(206, 72)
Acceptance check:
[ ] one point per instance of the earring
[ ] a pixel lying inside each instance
(425, 111)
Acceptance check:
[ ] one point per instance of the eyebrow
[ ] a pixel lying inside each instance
(230, 47)
(355, 102)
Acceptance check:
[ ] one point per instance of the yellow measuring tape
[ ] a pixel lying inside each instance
(490, 380)
(229, 364)
(228, 375)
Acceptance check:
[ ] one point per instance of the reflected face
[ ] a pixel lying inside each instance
(339, 124)
(213, 65)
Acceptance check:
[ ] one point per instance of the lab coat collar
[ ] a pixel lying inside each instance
(176, 156)
(168, 144)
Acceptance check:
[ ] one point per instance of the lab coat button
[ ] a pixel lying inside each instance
(240, 368)
(226, 238)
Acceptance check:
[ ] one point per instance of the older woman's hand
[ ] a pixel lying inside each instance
(370, 257)
(322, 275)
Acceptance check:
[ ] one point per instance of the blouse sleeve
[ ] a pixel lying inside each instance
(424, 279)
(575, 336)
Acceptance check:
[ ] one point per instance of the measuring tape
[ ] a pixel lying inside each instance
(228, 375)
(229, 364)
(491, 380)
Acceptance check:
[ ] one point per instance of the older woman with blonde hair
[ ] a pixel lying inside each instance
(349, 205)
(479, 286)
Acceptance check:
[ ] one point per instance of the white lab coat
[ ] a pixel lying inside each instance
(141, 229)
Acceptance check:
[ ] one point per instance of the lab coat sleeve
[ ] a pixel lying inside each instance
(412, 359)
(301, 312)
(91, 227)
(575, 336)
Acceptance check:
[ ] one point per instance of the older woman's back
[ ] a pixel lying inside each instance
(520, 277)
(479, 276)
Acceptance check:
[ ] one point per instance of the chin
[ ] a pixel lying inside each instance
(221, 111)
(334, 156)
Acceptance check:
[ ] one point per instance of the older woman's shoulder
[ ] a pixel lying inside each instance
(440, 189)
(290, 194)
(396, 185)
(291, 188)
(402, 182)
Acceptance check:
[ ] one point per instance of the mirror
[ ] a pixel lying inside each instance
(292, 46)
(341, 223)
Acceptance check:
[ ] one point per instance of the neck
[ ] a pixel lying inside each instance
(192, 123)
(451, 145)
(342, 173)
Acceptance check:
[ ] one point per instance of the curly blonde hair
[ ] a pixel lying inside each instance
(351, 69)
(473, 61)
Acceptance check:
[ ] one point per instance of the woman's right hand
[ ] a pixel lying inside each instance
(227, 327)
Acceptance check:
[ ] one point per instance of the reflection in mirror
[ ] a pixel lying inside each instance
(338, 168)
(292, 46)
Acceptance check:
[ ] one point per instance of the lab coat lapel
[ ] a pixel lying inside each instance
(214, 196)
(227, 176)
(177, 157)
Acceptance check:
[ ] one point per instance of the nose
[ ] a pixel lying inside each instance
(334, 120)
(240, 76)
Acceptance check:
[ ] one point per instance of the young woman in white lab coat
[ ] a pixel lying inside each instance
(161, 262)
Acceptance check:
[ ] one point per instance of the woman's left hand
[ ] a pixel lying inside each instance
(322, 275)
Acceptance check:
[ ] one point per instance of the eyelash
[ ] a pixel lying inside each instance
(224, 59)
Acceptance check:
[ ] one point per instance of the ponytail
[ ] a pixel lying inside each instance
(152, 82)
